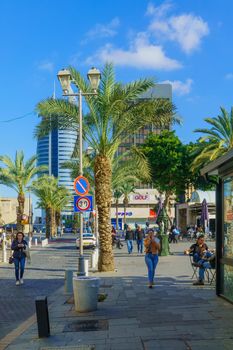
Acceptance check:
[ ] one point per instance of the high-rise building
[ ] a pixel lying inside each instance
(160, 91)
(142, 203)
(53, 150)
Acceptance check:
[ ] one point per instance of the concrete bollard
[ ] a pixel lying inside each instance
(44, 242)
(30, 242)
(86, 262)
(36, 242)
(69, 281)
(86, 293)
(94, 258)
(4, 252)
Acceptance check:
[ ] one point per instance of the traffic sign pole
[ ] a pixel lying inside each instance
(81, 270)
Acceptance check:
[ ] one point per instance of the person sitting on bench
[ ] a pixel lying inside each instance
(202, 257)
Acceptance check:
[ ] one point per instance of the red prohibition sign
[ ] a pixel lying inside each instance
(83, 203)
(81, 185)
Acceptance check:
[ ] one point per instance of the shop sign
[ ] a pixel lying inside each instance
(141, 197)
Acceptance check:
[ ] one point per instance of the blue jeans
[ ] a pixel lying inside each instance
(139, 243)
(130, 245)
(203, 265)
(19, 263)
(151, 262)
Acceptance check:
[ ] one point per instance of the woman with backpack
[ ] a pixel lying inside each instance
(19, 246)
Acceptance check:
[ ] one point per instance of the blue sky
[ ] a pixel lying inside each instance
(184, 42)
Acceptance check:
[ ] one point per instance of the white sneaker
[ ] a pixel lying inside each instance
(21, 281)
(17, 283)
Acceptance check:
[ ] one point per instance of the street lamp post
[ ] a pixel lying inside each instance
(65, 79)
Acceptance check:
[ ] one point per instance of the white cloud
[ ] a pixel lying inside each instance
(46, 66)
(141, 54)
(159, 11)
(103, 30)
(179, 87)
(229, 76)
(187, 30)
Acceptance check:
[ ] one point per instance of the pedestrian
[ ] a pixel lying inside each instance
(19, 246)
(129, 239)
(140, 235)
(152, 246)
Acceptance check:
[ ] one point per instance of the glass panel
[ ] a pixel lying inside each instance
(228, 282)
(228, 217)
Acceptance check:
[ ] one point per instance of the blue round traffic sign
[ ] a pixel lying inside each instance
(81, 185)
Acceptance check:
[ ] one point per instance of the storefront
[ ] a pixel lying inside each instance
(223, 167)
(140, 209)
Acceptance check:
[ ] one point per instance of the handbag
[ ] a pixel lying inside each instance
(11, 260)
(27, 252)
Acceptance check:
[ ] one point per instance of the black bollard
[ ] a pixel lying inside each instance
(42, 317)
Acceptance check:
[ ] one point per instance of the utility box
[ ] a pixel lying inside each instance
(42, 315)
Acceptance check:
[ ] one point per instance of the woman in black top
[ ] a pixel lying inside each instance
(19, 246)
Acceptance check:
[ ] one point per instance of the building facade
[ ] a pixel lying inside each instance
(189, 213)
(53, 150)
(160, 91)
(8, 210)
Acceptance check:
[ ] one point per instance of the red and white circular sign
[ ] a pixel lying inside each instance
(83, 203)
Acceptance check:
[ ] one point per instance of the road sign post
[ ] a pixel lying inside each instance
(81, 187)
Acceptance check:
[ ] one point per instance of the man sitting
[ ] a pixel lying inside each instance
(203, 258)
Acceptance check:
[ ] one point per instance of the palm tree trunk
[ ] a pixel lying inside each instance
(117, 204)
(20, 211)
(53, 222)
(103, 176)
(47, 222)
(125, 202)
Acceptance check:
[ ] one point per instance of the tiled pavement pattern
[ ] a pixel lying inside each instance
(173, 315)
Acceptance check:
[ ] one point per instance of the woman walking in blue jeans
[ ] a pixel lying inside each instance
(19, 246)
(152, 246)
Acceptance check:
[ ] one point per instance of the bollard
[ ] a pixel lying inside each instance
(42, 316)
(94, 258)
(86, 261)
(30, 242)
(4, 253)
(36, 242)
(69, 281)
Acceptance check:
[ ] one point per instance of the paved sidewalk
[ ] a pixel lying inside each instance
(173, 315)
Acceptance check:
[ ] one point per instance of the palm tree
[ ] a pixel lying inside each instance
(114, 113)
(17, 174)
(61, 199)
(217, 140)
(52, 198)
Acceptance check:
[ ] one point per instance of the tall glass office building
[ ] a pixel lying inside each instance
(53, 150)
(160, 91)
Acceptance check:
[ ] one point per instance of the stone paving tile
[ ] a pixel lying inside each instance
(173, 315)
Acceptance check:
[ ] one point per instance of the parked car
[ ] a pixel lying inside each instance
(89, 241)
(68, 230)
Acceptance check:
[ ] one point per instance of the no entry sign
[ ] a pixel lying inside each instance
(81, 185)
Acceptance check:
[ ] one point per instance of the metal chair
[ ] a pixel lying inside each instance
(210, 273)
(195, 266)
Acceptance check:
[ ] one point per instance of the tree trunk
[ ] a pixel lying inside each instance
(125, 202)
(117, 205)
(47, 223)
(103, 177)
(53, 223)
(20, 212)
